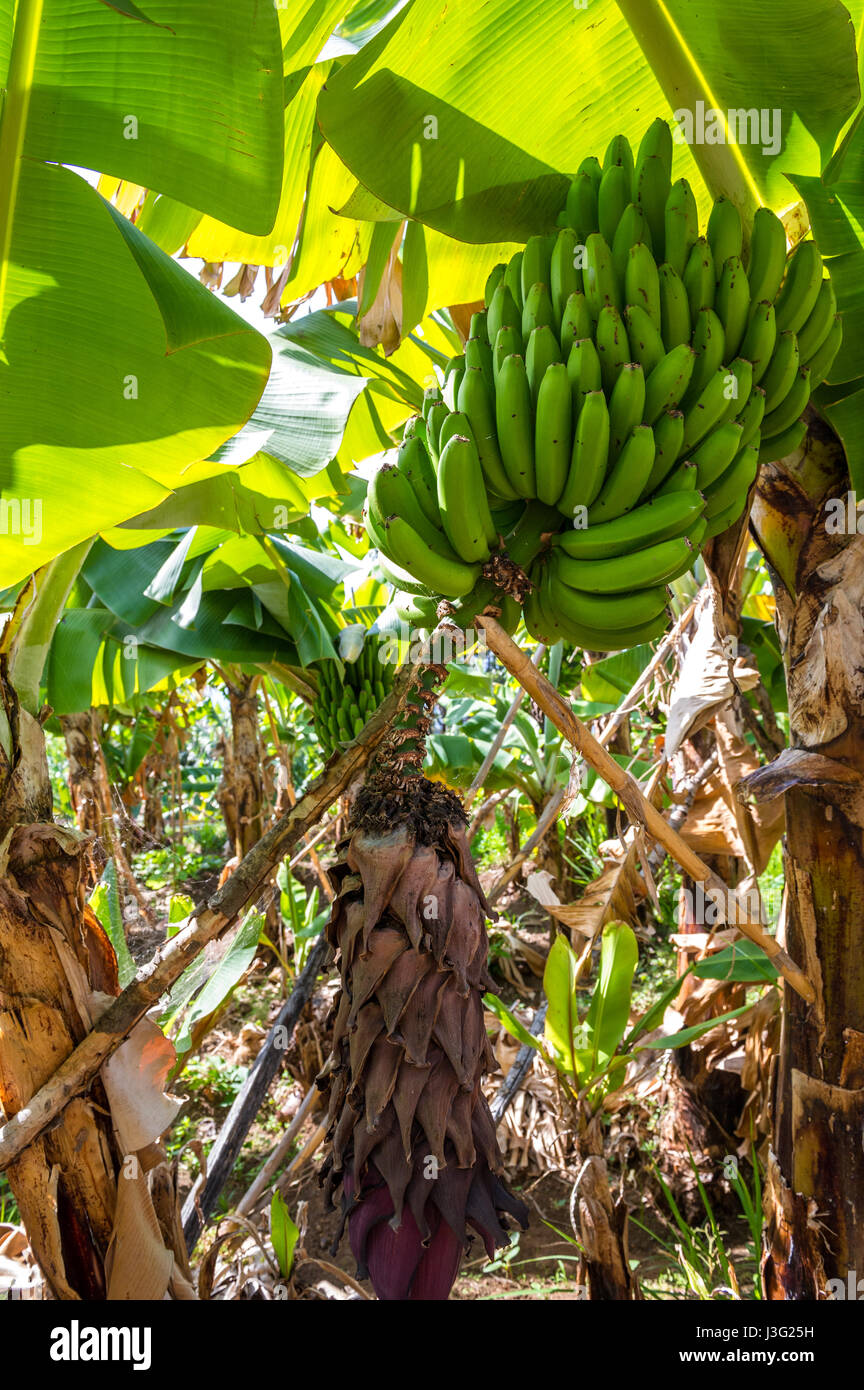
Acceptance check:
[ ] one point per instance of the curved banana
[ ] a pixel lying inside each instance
(390, 493)
(760, 338)
(513, 280)
(789, 410)
(589, 457)
(541, 353)
(437, 415)
(725, 234)
(619, 152)
(661, 519)
(668, 438)
(767, 255)
(553, 434)
(751, 417)
(782, 371)
(534, 269)
(821, 362)
(477, 401)
(478, 355)
(450, 578)
(646, 345)
(462, 498)
(479, 328)
(657, 140)
(819, 324)
(675, 325)
(565, 278)
(733, 304)
(598, 277)
(537, 311)
(782, 445)
(581, 208)
(576, 322)
(698, 277)
(583, 371)
(515, 422)
(709, 344)
(652, 189)
(797, 299)
(507, 343)
(716, 453)
(708, 410)
(503, 312)
(605, 611)
(626, 407)
(626, 479)
(612, 198)
(632, 229)
(393, 573)
(668, 382)
(642, 282)
(414, 462)
(656, 564)
(493, 280)
(613, 348)
(681, 479)
(681, 225)
(733, 484)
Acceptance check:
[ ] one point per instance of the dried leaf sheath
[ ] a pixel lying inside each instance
(413, 1143)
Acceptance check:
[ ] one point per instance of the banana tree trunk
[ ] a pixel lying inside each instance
(815, 1189)
(84, 1187)
(242, 793)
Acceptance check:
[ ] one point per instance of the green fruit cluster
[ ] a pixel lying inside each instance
(345, 702)
(630, 375)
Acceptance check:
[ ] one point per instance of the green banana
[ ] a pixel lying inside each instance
(668, 437)
(414, 462)
(709, 345)
(581, 209)
(733, 304)
(515, 422)
(565, 278)
(507, 515)
(646, 345)
(657, 140)
(453, 373)
(537, 312)
(590, 454)
(733, 484)
(741, 373)
(626, 407)
(819, 324)
(577, 321)
(681, 226)
(534, 619)
(725, 234)
(606, 612)
(478, 356)
(503, 312)
(627, 477)
(681, 479)
(553, 434)
(477, 401)
(821, 362)
(584, 372)
(462, 498)
(797, 299)
(642, 282)
(710, 407)
(416, 612)
(632, 230)
(599, 278)
(508, 342)
(613, 196)
(391, 493)
(675, 325)
(513, 280)
(696, 534)
(394, 574)
(534, 269)
(668, 382)
(457, 422)
(698, 277)
(496, 275)
(723, 521)
(479, 328)
(767, 255)
(450, 578)
(541, 353)
(641, 569)
(652, 189)
(437, 415)
(431, 396)
(716, 453)
(613, 349)
(751, 417)
(592, 167)
(777, 381)
(782, 445)
(789, 410)
(619, 152)
(658, 520)
(760, 339)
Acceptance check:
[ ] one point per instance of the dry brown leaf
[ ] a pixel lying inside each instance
(703, 684)
(382, 322)
(611, 897)
(137, 1264)
(135, 1079)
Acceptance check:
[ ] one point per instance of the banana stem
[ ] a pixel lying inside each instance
(639, 809)
(524, 545)
(13, 123)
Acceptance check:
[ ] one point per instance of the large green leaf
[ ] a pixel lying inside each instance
(189, 104)
(97, 419)
(466, 117)
(562, 1017)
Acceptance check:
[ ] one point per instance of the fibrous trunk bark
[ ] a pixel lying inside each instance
(242, 791)
(815, 1189)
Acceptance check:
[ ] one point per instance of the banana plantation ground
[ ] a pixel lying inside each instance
(431, 651)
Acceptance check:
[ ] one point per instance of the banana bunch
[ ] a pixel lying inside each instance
(345, 703)
(629, 374)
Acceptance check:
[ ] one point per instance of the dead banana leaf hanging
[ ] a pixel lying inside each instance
(413, 1144)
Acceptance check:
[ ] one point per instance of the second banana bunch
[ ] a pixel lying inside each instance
(627, 373)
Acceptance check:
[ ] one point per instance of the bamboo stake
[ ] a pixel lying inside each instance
(208, 921)
(628, 792)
